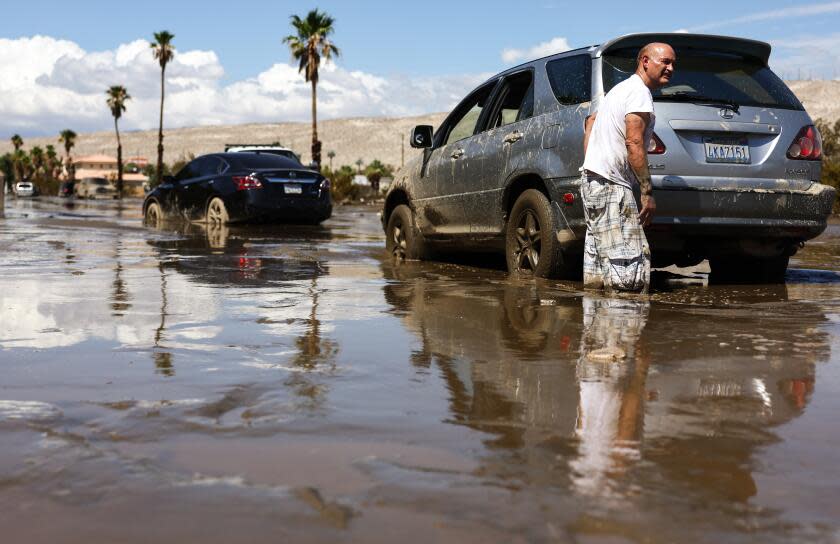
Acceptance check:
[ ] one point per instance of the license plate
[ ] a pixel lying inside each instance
(290, 189)
(727, 150)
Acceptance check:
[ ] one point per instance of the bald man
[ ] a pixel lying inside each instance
(616, 253)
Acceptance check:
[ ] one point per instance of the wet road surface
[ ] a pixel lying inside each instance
(271, 384)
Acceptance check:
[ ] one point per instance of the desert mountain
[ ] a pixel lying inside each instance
(351, 139)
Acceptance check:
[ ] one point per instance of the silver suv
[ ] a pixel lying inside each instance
(735, 163)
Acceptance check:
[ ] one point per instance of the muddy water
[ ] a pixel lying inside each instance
(290, 384)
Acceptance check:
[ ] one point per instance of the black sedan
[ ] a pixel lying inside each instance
(239, 187)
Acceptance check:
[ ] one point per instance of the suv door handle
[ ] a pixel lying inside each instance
(457, 154)
(513, 137)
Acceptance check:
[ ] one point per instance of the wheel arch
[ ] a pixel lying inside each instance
(517, 185)
(397, 197)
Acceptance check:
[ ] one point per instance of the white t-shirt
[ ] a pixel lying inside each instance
(606, 152)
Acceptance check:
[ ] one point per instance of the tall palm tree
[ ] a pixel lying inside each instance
(68, 138)
(17, 141)
(163, 51)
(308, 46)
(331, 155)
(39, 161)
(117, 95)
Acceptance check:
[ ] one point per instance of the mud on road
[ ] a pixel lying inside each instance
(290, 383)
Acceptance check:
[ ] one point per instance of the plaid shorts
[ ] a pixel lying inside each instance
(616, 253)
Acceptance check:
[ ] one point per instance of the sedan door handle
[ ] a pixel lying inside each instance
(457, 154)
(513, 137)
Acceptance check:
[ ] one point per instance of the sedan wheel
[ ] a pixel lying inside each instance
(154, 215)
(217, 212)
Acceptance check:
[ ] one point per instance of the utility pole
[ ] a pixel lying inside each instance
(402, 150)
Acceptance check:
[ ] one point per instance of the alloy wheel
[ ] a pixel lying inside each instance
(399, 240)
(528, 243)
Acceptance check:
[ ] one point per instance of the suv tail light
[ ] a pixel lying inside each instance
(655, 146)
(807, 146)
(243, 183)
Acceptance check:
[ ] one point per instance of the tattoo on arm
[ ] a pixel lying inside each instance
(587, 130)
(637, 149)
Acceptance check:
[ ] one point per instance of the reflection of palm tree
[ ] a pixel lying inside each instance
(312, 351)
(162, 359)
(120, 297)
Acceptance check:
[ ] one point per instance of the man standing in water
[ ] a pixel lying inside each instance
(616, 253)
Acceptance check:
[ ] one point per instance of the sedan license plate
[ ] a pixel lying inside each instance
(292, 189)
(727, 150)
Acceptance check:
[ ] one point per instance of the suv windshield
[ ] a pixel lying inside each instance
(709, 77)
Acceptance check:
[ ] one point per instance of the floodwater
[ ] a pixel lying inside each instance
(290, 384)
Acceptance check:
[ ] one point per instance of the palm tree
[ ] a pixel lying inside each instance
(36, 155)
(117, 95)
(68, 138)
(308, 46)
(17, 141)
(53, 163)
(331, 155)
(163, 51)
(359, 163)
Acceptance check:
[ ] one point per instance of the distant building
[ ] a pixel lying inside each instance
(103, 166)
(362, 180)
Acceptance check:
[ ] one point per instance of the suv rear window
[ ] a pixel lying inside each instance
(709, 75)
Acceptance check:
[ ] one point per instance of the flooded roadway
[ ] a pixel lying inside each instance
(291, 384)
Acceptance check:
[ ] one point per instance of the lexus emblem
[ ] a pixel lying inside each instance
(727, 113)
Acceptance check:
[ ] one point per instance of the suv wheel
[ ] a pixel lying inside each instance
(743, 269)
(402, 238)
(531, 245)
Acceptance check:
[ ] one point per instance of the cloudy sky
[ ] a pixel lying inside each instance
(57, 58)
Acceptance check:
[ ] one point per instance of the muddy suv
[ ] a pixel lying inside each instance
(735, 161)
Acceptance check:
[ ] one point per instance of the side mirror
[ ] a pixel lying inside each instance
(421, 136)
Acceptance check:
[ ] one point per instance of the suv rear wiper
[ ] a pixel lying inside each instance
(683, 96)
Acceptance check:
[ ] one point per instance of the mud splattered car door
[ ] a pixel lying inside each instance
(488, 154)
(445, 211)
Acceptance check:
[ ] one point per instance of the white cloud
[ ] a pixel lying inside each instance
(555, 45)
(49, 84)
(811, 57)
(784, 13)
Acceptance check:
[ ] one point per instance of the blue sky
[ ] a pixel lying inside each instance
(408, 57)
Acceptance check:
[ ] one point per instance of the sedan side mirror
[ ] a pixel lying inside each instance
(421, 136)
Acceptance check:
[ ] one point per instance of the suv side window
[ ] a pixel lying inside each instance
(464, 124)
(515, 101)
(571, 79)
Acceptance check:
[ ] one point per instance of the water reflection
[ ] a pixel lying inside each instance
(609, 396)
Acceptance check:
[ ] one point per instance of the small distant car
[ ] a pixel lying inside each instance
(24, 188)
(239, 187)
(66, 189)
(95, 188)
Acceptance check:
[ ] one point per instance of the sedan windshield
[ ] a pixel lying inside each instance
(709, 77)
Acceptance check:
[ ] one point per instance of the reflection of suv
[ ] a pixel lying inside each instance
(95, 188)
(735, 163)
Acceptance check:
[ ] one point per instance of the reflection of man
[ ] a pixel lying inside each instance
(616, 254)
(612, 388)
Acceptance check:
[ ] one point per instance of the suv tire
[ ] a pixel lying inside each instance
(403, 240)
(531, 245)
